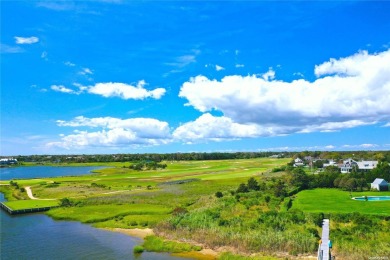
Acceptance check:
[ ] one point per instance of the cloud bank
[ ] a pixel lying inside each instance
(113, 132)
(348, 92)
(126, 91)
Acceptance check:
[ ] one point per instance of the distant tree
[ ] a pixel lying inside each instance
(279, 189)
(242, 188)
(253, 184)
(318, 164)
(299, 178)
(65, 202)
(379, 157)
(351, 184)
(382, 170)
(361, 183)
(332, 169)
(218, 194)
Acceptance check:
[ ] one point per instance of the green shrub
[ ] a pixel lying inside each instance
(138, 249)
(242, 188)
(218, 194)
(156, 244)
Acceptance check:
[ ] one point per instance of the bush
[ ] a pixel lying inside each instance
(138, 249)
(242, 188)
(218, 194)
(253, 184)
(65, 202)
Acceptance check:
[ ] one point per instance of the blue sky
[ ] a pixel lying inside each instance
(159, 76)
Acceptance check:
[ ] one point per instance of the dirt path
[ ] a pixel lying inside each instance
(31, 196)
(118, 191)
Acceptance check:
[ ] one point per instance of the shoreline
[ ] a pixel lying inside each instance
(204, 254)
(134, 232)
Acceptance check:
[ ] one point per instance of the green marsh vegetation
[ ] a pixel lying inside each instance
(276, 215)
(248, 206)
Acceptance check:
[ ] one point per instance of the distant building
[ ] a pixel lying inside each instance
(367, 165)
(8, 161)
(380, 185)
(298, 162)
(347, 165)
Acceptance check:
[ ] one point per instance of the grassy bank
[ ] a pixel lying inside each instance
(30, 204)
(338, 201)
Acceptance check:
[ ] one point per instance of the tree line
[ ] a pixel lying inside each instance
(158, 157)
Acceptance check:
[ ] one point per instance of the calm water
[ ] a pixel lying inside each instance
(37, 236)
(44, 172)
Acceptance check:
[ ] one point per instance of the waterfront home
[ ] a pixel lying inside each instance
(298, 162)
(380, 184)
(8, 161)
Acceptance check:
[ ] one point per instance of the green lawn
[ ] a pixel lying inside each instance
(100, 213)
(338, 201)
(30, 204)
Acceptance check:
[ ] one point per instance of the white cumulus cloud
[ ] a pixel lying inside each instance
(209, 127)
(349, 92)
(113, 132)
(112, 89)
(125, 91)
(26, 40)
(364, 146)
(63, 89)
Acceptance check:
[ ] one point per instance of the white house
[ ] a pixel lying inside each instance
(380, 184)
(298, 162)
(348, 165)
(8, 161)
(367, 165)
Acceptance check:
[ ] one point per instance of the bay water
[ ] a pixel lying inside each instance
(37, 236)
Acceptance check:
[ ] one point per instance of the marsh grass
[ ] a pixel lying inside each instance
(132, 221)
(230, 256)
(156, 244)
